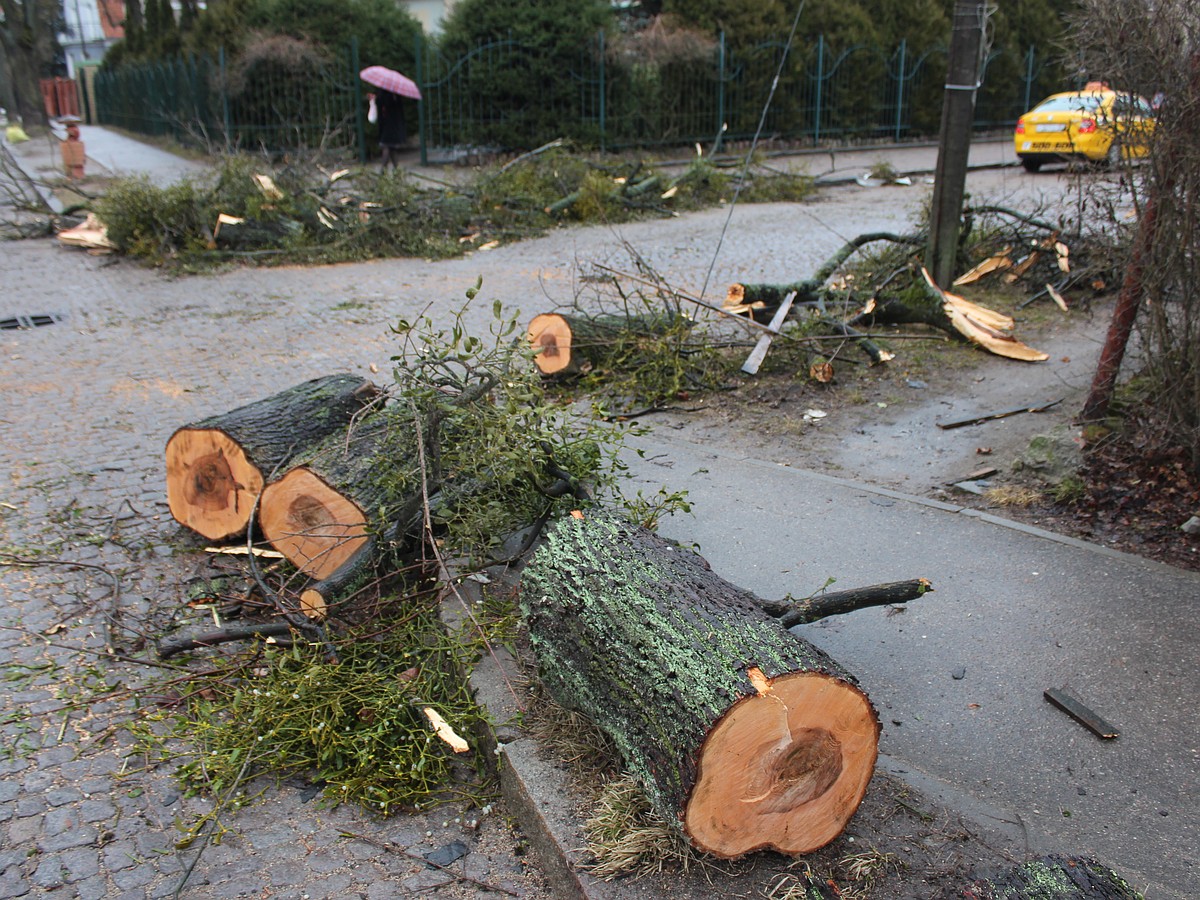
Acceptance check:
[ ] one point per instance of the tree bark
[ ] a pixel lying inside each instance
(31, 46)
(569, 345)
(744, 735)
(216, 468)
(320, 513)
(1052, 877)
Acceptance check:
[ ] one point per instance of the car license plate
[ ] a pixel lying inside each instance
(1053, 127)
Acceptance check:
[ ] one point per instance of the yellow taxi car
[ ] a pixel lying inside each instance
(1095, 124)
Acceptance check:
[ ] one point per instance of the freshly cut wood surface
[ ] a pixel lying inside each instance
(744, 735)
(216, 467)
(782, 768)
(573, 344)
(550, 335)
(316, 526)
(211, 484)
(338, 493)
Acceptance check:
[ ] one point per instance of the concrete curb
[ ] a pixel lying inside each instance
(538, 793)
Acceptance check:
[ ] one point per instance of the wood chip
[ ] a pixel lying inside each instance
(242, 551)
(1064, 256)
(443, 730)
(1056, 297)
(989, 265)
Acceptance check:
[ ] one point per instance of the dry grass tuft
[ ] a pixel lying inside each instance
(627, 837)
(1013, 496)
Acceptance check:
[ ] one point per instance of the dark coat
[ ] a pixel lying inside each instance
(392, 131)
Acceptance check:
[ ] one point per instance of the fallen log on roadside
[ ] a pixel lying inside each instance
(216, 468)
(760, 301)
(571, 344)
(325, 508)
(744, 735)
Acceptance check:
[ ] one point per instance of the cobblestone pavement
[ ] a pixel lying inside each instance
(86, 406)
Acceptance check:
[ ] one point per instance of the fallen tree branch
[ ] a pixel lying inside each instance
(1012, 214)
(173, 646)
(790, 613)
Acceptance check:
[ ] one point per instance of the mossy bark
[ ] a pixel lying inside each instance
(217, 467)
(1053, 877)
(743, 734)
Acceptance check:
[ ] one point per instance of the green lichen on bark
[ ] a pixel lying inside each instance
(642, 637)
(1055, 877)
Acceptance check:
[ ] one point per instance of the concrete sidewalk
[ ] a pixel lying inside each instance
(958, 678)
(109, 154)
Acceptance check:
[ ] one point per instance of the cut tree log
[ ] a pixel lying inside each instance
(571, 344)
(216, 468)
(744, 735)
(319, 513)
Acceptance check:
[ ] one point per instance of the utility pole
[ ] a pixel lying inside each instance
(954, 140)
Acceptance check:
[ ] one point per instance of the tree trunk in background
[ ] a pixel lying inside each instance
(30, 39)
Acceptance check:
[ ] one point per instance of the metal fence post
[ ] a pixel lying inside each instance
(422, 116)
(360, 129)
(224, 82)
(820, 85)
(1028, 77)
(900, 88)
(720, 93)
(603, 96)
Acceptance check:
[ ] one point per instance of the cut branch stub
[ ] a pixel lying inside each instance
(744, 735)
(216, 468)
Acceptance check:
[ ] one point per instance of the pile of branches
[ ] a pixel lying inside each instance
(304, 211)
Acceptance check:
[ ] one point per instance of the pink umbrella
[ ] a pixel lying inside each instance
(390, 80)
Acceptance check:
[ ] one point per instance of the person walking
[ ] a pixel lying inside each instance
(387, 110)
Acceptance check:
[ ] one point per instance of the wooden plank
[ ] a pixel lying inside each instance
(1081, 714)
(759, 353)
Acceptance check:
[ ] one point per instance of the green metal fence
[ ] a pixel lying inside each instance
(823, 95)
(490, 98)
(259, 106)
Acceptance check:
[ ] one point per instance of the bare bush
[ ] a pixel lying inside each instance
(1152, 47)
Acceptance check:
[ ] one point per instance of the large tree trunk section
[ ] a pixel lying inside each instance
(216, 468)
(571, 345)
(743, 734)
(316, 515)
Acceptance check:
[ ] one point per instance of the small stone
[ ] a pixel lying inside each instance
(959, 674)
(1191, 526)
